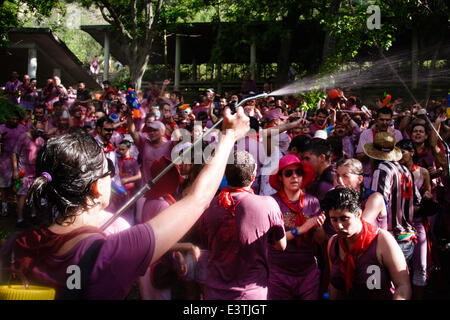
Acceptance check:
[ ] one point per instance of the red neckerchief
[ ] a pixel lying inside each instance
(169, 198)
(37, 245)
(109, 147)
(348, 266)
(226, 200)
(414, 167)
(406, 185)
(299, 217)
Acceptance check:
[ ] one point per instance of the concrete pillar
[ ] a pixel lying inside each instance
(253, 59)
(32, 62)
(106, 58)
(177, 61)
(194, 70)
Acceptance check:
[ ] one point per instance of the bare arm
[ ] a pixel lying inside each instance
(335, 294)
(211, 114)
(169, 226)
(132, 130)
(315, 222)
(375, 206)
(13, 158)
(282, 127)
(391, 256)
(134, 178)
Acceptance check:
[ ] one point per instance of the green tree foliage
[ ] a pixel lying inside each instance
(135, 24)
(12, 13)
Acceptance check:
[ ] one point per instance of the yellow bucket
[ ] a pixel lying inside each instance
(19, 292)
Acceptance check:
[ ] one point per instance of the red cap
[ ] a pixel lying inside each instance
(334, 94)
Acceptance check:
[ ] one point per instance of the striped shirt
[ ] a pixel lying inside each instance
(396, 183)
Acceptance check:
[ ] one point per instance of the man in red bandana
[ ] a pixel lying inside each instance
(238, 227)
(365, 261)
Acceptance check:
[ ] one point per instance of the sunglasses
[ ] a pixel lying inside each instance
(289, 172)
(108, 129)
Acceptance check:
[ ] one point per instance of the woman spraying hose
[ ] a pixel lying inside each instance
(77, 182)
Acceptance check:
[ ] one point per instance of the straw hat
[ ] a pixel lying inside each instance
(287, 160)
(383, 147)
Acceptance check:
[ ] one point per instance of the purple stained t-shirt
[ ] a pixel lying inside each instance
(239, 245)
(152, 208)
(295, 261)
(123, 257)
(9, 138)
(26, 150)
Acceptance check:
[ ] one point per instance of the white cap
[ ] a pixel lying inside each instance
(321, 134)
(157, 125)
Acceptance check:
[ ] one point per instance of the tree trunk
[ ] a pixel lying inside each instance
(414, 58)
(283, 59)
(431, 71)
(289, 24)
(329, 42)
(137, 67)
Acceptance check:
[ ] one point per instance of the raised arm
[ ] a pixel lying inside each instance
(169, 226)
(375, 206)
(132, 129)
(393, 259)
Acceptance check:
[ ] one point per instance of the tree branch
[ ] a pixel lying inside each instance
(102, 4)
(151, 23)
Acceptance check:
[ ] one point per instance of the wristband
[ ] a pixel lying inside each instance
(294, 232)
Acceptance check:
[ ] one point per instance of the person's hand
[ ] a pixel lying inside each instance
(166, 82)
(432, 171)
(301, 122)
(427, 195)
(441, 118)
(315, 222)
(398, 101)
(237, 125)
(195, 252)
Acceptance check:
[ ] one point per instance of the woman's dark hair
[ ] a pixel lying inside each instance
(74, 161)
(341, 198)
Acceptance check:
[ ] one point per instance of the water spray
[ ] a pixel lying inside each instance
(151, 183)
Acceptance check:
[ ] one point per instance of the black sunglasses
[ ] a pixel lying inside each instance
(288, 172)
(108, 129)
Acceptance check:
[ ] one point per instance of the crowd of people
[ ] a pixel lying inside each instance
(341, 201)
